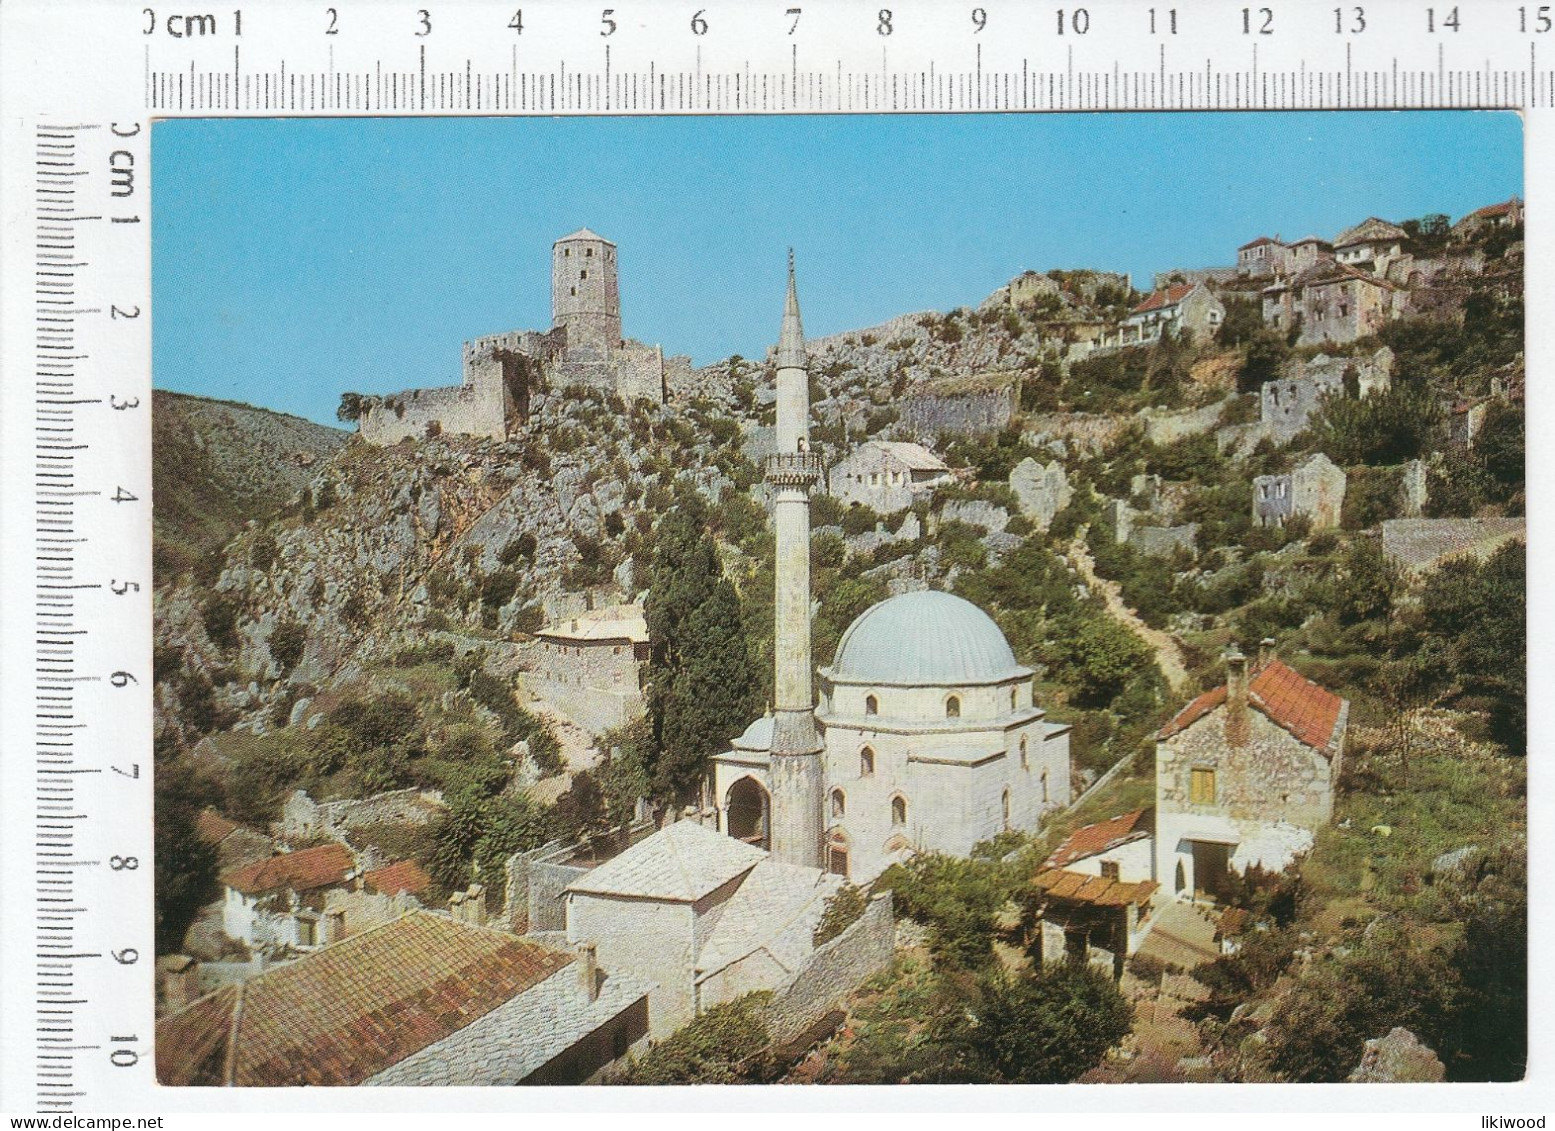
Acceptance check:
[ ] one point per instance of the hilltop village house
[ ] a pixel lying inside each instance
(503, 372)
(1245, 774)
(1373, 243)
(1335, 304)
(1313, 489)
(887, 475)
(278, 902)
(591, 667)
(1507, 214)
(1263, 256)
(1184, 310)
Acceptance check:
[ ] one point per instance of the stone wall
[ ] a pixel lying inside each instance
(1163, 427)
(302, 818)
(834, 971)
(1084, 433)
(461, 409)
(971, 413)
(1164, 541)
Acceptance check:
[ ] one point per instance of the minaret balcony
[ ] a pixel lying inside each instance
(793, 469)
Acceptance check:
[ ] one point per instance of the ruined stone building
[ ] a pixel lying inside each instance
(1286, 404)
(1245, 774)
(1263, 256)
(1313, 489)
(502, 373)
(1334, 303)
(592, 666)
(886, 475)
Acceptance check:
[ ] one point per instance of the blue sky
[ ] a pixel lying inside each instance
(297, 259)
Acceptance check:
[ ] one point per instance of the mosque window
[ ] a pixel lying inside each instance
(866, 762)
(1005, 802)
(1044, 787)
(1025, 754)
(953, 707)
(839, 803)
(1014, 698)
(898, 810)
(871, 705)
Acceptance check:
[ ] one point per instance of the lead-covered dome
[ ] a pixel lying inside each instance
(925, 639)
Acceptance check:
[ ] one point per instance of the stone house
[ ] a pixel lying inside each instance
(235, 844)
(886, 475)
(1263, 256)
(424, 999)
(1335, 304)
(1041, 491)
(1307, 252)
(1287, 403)
(278, 902)
(1314, 488)
(1507, 214)
(591, 667)
(1088, 918)
(1244, 775)
(1373, 243)
(1186, 310)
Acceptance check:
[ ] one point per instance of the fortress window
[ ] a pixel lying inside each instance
(953, 707)
(839, 803)
(589, 252)
(871, 705)
(866, 762)
(898, 810)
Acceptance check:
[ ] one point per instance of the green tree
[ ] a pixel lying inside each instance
(1367, 583)
(1399, 425)
(185, 864)
(1046, 1027)
(351, 408)
(1266, 352)
(1475, 615)
(286, 645)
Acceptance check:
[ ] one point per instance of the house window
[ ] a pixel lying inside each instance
(953, 707)
(866, 762)
(1025, 756)
(898, 810)
(583, 274)
(839, 804)
(1201, 786)
(573, 291)
(871, 705)
(566, 252)
(589, 252)
(1109, 870)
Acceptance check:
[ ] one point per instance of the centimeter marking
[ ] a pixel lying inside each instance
(464, 88)
(60, 209)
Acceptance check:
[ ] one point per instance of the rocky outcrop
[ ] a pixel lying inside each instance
(1398, 1058)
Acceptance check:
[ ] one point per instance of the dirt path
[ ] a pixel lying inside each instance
(1168, 654)
(578, 749)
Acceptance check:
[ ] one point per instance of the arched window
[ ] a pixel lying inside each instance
(898, 810)
(1013, 699)
(1005, 800)
(866, 762)
(953, 707)
(1025, 755)
(839, 803)
(1044, 787)
(871, 705)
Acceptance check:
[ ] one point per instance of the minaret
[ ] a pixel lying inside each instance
(797, 770)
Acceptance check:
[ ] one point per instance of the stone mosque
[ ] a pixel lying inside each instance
(926, 736)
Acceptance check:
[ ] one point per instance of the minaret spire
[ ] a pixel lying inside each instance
(797, 772)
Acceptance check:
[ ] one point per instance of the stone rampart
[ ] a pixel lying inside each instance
(455, 409)
(1086, 433)
(302, 818)
(972, 413)
(1163, 427)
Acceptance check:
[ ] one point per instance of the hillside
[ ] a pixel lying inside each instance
(216, 465)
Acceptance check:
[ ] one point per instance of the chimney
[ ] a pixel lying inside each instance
(588, 971)
(1266, 652)
(475, 906)
(1238, 727)
(456, 907)
(334, 925)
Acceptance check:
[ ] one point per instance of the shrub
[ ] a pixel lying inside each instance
(721, 1046)
(220, 618)
(842, 910)
(286, 645)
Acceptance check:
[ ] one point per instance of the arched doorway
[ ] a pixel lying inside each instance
(837, 855)
(747, 810)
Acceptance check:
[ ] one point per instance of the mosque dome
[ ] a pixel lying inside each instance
(925, 639)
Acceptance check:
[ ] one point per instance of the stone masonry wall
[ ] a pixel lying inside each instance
(461, 409)
(968, 413)
(303, 818)
(835, 970)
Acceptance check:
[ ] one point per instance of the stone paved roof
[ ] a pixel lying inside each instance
(586, 234)
(915, 456)
(352, 1009)
(777, 910)
(1100, 837)
(680, 863)
(1310, 713)
(616, 622)
(211, 827)
(1369, 230)
(306, 870)
(1421, 543)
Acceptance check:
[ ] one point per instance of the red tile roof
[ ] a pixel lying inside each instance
(402, 875)
(300, 871)
(1490, 210)
(1259, 242)
(1078, 887)
(1309, 712)
(1098, 838)
(349, 1011)
(1159, 300)
(211, 827)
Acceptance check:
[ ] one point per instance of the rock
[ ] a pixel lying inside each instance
(911, 529)
(1398, 1058)
(299, 711)
(1452, 865)
(431, 512)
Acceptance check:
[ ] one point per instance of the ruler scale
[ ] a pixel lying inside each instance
(82, 82)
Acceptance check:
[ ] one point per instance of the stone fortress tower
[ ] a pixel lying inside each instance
(797, 766)
(503, 375)
(585, 294)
